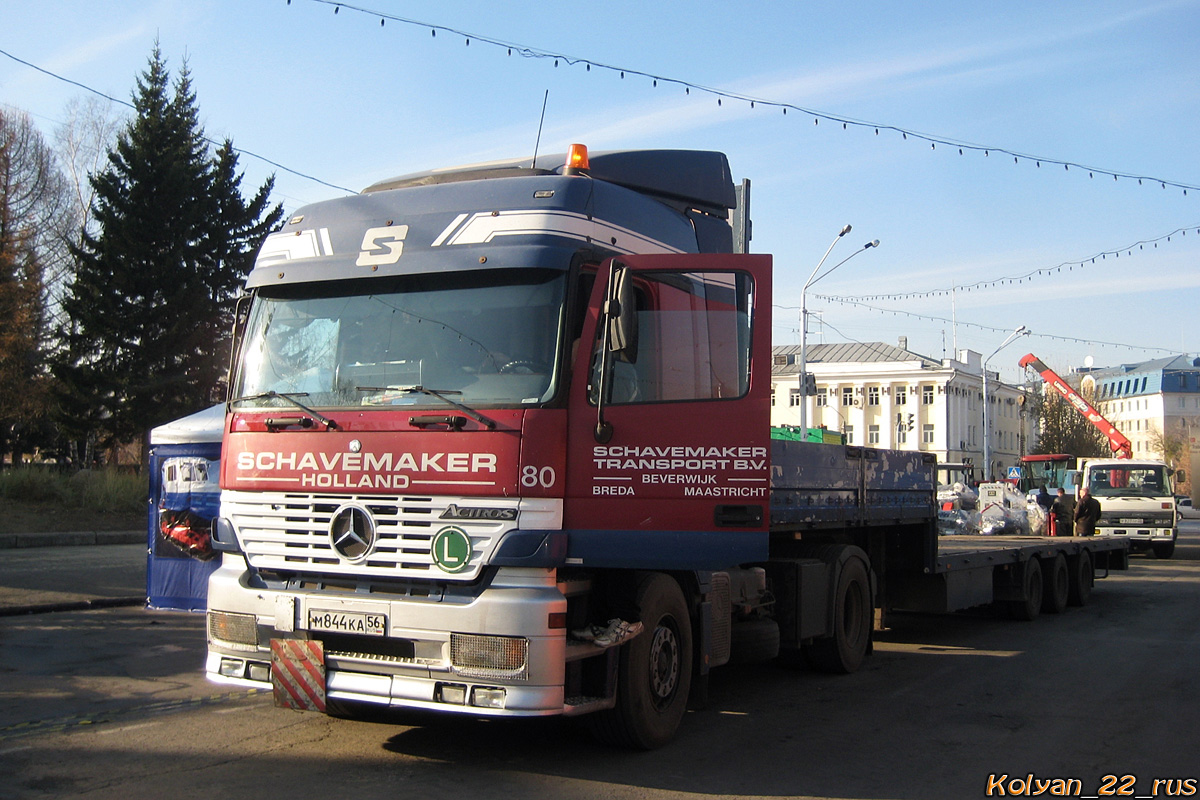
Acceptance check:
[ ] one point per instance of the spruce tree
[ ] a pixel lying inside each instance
(151, 297)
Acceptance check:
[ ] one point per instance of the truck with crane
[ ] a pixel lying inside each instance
(498, 444)
(1136, 496)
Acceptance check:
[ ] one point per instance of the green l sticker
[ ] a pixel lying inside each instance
(452, 549)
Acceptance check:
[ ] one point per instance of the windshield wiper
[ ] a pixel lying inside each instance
(440, 394)
(290, 397)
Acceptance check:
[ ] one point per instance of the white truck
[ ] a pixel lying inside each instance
(1137, 500)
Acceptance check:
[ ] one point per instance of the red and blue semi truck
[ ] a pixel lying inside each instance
(475, 410)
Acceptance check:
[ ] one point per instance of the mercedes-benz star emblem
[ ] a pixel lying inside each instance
(352, 531)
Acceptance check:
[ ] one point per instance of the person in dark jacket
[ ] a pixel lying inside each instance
(1043, 498)
(1061, 510)
(1087, 513)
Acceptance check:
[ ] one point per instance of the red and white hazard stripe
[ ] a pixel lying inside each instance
(298, 674)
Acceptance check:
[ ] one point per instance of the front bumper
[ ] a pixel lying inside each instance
(484, 651)
(1139, 535)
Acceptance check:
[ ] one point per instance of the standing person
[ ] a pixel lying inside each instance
(1087, 513)
(1044, 499)
(1061, 511)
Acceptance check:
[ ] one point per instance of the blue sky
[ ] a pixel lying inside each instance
(1110, 85)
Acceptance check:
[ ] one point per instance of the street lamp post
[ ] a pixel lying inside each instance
(813, 278)
(987, 433)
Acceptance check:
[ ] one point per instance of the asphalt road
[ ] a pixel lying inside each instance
(111, 703)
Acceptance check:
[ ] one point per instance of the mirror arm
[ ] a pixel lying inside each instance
(603, 432)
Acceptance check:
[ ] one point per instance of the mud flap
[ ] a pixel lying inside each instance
(298, 674)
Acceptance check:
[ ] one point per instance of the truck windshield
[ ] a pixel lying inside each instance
(484, 338)
(1135, 480)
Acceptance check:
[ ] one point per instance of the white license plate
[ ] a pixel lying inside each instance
(347, 622)
(1130, 521)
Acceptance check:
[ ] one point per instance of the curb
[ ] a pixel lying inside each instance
(75, 605)
(10, 541)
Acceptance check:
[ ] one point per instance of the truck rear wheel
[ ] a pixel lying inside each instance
(1164, 550)
(1056, 585)
(654, 671)
(1083, 576)
(852, 621)
(1031, 588)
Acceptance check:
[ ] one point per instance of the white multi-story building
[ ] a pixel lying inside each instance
(1148, 400)
(880, 395)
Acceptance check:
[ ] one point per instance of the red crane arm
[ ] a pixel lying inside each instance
(1121, 446)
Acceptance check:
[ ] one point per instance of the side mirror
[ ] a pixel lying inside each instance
(621, 311)
(1181, 476)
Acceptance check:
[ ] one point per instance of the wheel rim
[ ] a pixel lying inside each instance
(664, 664)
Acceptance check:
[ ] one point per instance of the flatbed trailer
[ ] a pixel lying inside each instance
(970, 571)
(827, 498)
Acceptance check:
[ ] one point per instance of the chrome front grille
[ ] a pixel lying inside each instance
(290, 532)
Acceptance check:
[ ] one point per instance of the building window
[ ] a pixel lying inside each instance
(822, 397)
(872, 434)
(794, 398)
(901, 436)
(901, 396)
(847, 396)
(848, 430)
(927, 395)
(927, 433)
(872, 395)
(772, 397)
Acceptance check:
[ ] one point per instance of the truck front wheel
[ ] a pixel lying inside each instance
(654, 671)
(1164, 550)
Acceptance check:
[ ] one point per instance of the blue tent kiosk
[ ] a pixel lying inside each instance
(185, 457)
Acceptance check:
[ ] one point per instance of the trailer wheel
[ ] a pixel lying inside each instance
(852, 622)
(654, 671)
(1029, 607)
(1056, 585)
(1083, 576)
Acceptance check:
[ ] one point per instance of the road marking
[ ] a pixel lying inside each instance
(128, 728)
(73, 723)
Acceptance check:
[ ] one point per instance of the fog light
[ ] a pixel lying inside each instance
(487, 698)
(232, 667)
(236, 631)
(504, 657)
(452, 693)
(260, 672)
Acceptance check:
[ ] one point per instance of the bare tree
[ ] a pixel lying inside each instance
(32, 202)
(83, 141)
(1171, 446)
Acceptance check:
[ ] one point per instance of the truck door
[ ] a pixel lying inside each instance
(669, 433)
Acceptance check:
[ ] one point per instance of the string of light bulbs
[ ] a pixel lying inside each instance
(989, 283)
(722, 95)
(989, 328)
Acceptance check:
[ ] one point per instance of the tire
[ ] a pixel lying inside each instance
(1164, 550)
(1056, 585)
(654, 671)
(1028, 608)
(852, 622)
(1083, 577)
